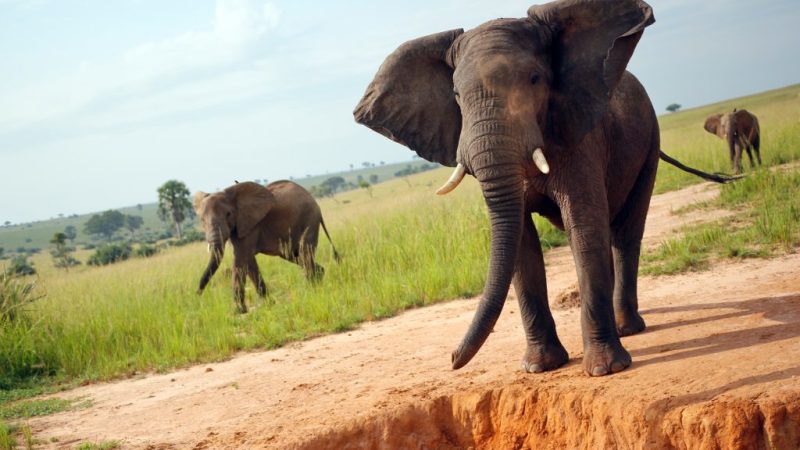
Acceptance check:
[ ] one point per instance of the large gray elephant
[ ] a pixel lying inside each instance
(542, 112)
(740, 130)
(281, 219)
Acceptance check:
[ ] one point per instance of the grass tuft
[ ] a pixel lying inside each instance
(107, 445)
(767, 222)
(31, 408)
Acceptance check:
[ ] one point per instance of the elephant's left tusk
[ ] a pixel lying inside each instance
(208, 248)
(540, 161)
(454, 181)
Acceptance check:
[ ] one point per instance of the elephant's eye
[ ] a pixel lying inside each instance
(535, 78)
(228, 214)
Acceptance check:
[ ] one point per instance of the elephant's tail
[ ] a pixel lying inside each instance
(336, 256)
(715, 177)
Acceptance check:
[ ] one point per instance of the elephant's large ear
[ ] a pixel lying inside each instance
(712, 123)
(411, 99)
(593, 40)
(252, 202)
(197, 201)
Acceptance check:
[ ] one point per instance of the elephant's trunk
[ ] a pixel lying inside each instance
(216, 247)
(500, 173)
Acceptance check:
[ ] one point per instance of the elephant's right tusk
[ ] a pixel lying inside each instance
(208, 248)
(455, 179)
(540, 161)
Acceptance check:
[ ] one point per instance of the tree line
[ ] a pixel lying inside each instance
(174, 208)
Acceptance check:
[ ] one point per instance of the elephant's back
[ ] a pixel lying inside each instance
(295, 205)
(291, 191)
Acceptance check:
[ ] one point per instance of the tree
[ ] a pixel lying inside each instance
(105, 224)
(673, 107)
(133, 223)
(7, 223)
(320, 191)
(2, 252)
(334, 184)
(62, 255)
(364, 185)
(71, 232)
(373, 179)
(173, 203)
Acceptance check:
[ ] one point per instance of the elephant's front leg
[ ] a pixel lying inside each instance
(255, 277)
(240, 262)
(544, 351)
(589, 237)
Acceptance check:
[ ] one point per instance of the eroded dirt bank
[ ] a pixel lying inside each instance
(718, 367)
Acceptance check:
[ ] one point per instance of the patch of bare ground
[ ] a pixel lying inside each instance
(717, 368)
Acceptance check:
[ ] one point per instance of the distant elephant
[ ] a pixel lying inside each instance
(281, 219)
(741, 131)
(542, 112)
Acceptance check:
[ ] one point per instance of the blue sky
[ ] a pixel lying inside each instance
(102, 101)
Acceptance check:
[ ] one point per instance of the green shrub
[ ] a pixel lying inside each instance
(190, 236)
(145, 251)
(20, 266)
(110, 254)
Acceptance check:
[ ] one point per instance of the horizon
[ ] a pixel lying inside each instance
(172, 90)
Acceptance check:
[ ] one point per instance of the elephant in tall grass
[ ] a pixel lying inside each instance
(281, 219)
(740, 130)
(543, 113)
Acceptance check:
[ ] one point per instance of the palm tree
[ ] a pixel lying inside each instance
(173, 203)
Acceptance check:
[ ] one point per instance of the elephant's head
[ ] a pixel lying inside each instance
(722, 125)
(714, 125)
(233, 212)
(496, 100)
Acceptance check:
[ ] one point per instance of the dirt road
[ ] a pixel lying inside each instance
(718, 367)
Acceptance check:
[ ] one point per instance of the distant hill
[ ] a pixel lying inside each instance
(385, 172)
(38, 234)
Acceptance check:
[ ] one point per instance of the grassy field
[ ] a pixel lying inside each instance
(38, 234)
(402, 247)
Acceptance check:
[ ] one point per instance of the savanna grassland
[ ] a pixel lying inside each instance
(402, 247)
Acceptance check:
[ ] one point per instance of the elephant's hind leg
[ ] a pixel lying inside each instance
(545, 351)
(627, 231)
(314, 272)
(750, 156)
(737, 159)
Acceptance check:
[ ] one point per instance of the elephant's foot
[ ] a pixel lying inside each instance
(630, 323)
(543, 357)
(604, 358)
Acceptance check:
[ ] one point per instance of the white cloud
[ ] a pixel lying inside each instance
(237, 25)
(148, 69)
